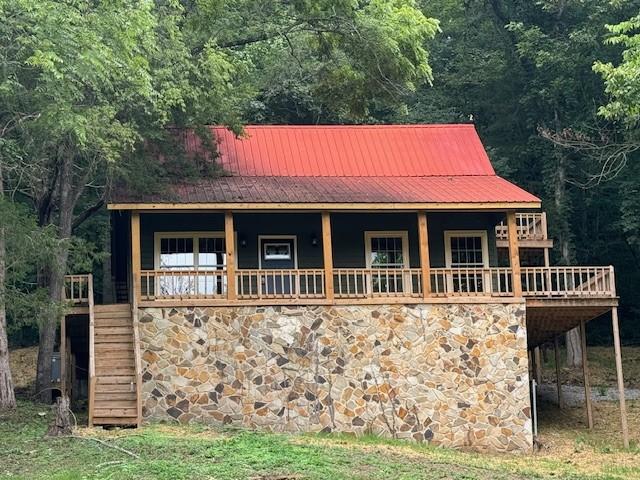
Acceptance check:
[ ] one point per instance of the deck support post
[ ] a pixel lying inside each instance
(423, 234)
(136, 266)
(556, 351)
(585, 371)
(538, 371)
(618, 353)
(327, 257)
(230, 255)
(514, 253)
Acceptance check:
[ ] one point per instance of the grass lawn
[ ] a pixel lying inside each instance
(200, 452)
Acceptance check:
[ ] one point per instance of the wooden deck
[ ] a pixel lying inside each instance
(557, 298)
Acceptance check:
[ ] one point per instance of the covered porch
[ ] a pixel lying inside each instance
(333, 257)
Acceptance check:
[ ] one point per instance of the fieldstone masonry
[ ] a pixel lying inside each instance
(448, 374)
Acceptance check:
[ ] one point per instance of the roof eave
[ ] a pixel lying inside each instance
(353, 206)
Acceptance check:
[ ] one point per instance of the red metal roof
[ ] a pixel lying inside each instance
(352, 151)
(342, 164)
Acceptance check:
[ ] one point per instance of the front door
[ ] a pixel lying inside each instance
(278, 257)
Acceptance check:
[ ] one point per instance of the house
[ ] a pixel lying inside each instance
(357, 279)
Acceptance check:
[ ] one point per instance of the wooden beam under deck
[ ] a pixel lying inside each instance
(550, 317)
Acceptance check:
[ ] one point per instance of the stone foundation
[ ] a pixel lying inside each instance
(452, 375)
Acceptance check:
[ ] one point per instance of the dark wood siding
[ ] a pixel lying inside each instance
(347, 232)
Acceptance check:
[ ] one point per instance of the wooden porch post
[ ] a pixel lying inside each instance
(423, 235)
(327, 256)
(585, 371)
(538, 357)
(230, 255)
(514, 253)
(556, 351)
(618, 351)
(136, 266)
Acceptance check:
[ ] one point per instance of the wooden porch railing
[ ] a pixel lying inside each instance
(471, 282)
(568, 282)
(280, 284)
(377, 283)
(364, 283)
(179, 284)
(530, 226)
(77, 289)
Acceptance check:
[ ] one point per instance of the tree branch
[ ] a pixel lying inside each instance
(88, 213)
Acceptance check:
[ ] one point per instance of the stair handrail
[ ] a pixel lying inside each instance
(138, 359)
(92, 358)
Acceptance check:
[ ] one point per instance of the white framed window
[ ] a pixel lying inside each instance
(466, 249)
(276, 251)
(467, 253)
(281, 249)
(385, 252)
(198, 255)
(387, 249)
(189, 250)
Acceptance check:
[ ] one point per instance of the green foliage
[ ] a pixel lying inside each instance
(27, 247)
(622, 82)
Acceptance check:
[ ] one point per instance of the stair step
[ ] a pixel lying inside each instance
(114, 307)
(122, 354)
(115, 421)
(123, 339)
(113, 388)
(101, 330)
(115, 379)
(115, 370)
(116, 348)
(114, 363)
(115, 412)
(126, 396)
(110, 347)
(113, 322)
(117, 314)
(115, 404)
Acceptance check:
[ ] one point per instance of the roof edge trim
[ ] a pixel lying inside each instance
(326, 206)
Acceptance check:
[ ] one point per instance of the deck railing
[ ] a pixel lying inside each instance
(471, 282)
(370, 283)
(280, 284)
(568, 282)
(178, 284)
(77, 289)
(377, 283)
(530, 226)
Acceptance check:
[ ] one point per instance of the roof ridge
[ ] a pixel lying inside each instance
(355, 126)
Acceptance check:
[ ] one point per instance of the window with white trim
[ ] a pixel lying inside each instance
(467, 254)
(195, 252)
(387, 251)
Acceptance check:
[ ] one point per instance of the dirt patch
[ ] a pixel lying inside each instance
(23, 363)
(602, 367)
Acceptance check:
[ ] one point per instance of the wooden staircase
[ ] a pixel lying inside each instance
(114, 373)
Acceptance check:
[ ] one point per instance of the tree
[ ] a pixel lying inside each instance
(97, 82)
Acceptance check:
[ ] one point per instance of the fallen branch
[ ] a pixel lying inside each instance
(102, 442)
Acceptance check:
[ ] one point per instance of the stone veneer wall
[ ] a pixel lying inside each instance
(450, 374)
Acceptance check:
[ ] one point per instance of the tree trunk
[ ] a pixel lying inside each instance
(563, 229)
(54, 279)
(7, 395)
(574, 348)
(62, 423)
